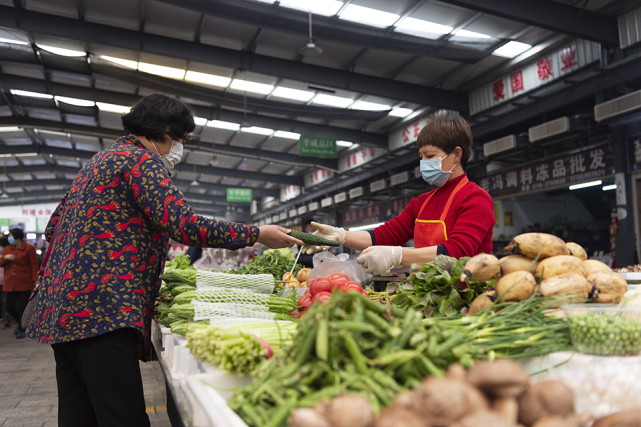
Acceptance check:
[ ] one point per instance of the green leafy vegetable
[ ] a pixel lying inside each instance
(273, 261)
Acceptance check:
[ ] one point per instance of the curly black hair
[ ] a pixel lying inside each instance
(156, 115)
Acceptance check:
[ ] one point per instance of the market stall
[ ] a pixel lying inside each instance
(272, 358)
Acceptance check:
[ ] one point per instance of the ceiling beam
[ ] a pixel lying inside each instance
(9, 81)
(59, 26)
(296, 22)
(209, 170)
(194, 144)
(551, 15)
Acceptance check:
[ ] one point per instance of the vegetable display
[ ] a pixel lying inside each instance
(435, 288)
(273, 261)
(605, 334)
(350, 344)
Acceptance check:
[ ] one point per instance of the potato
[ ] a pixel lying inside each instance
(610, 287)
(303, 274)
(625, 418)
(566, 284)
(542, 245)
(577, 250)
(594, 265)
(481, 302)
(516, 286)
(560, 264)
(543, 399)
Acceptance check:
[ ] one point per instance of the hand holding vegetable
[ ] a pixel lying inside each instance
(274, 236)
(327, 232)
(378, 259)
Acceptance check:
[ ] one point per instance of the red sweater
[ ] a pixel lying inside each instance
(469, 222)
(21, 273)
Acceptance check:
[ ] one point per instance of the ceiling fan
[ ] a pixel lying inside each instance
(310, 50)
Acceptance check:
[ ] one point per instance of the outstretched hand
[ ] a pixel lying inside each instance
(378, 259)
(275, 236)
(327, 232)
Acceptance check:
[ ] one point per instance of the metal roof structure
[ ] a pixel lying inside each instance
(254, 73)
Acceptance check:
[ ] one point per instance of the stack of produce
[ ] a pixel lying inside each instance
(544, 263)
(276, 262)
(240, 348)
(321, 288)
(296, 281)
(436, 288)
(350, 344)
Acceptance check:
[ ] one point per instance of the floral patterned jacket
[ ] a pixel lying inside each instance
(112, 229)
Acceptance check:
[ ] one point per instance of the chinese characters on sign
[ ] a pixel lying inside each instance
(551, 173)
(317, 176)
(315, 146)
(38, 212)
(239, 194)
(634, 147)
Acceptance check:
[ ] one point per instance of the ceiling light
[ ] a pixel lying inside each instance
(257, 130)
(585, 184)
(13, 41)
(400, 112)
(4, 195)
(161, 70)
(342, 143)
(200, 121)
(369, 106)
(511, 49)
(319, 7)
(331, 100)
(295, 94)
(194, 183)
(223, 125)
(368, 16)
(31, 94)
(124, 62)
(366, 227)
(208, 79)
(421, 28)
(246, 85)
(287, 135)
(470, 34)
(61, 51)
(609, 187)
(9, 128)
(75, 101)
(310, 50)
(112, 108)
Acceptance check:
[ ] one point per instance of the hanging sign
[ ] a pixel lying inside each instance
(555, 172)
(316, 146)
(239, 194)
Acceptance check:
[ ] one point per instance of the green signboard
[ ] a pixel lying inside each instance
(5, 223)
(239, 194)
(316, 146)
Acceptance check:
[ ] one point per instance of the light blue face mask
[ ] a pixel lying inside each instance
(432, 172)
(11, 240)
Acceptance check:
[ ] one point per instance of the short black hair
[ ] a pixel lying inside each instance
(156, 115)
(447, 133)
(3, 241)
(17, 233)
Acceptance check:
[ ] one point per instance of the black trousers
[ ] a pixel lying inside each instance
(16, 302)
(99, 381)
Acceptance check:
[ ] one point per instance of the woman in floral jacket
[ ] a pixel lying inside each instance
(111, 235)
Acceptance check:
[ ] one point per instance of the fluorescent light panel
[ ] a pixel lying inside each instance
(585, 185)
(120, 61)
(257, 130)
(342, 143)
(161, 70)
(287, 135)
(254, 87)
(511, 49)
(112, 108)
(400, 112)
(331, 100)
(200, 121)
(366, 227)
(31, 94)
(319, 7)
(61, 51)
(609, 187)
(295, 94)
(470, 34)
(421, 28)
(223, 125)
(208, 79)
(75, 101)
(9, 129)
(369, 106)
(13, 41)
(368, 16)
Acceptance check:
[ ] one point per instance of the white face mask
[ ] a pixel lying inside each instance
(172, 158)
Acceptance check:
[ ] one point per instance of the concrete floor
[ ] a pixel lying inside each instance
(28, 395)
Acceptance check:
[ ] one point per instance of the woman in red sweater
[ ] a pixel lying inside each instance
(20, 273)
(455, 219)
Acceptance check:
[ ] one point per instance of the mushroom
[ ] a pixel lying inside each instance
(555, 421)
(625, 418)
(545, 398)
(350, 410)
(445, 400)
(498, 378)
(399, 416)
(484, 418)
(307, 417)
(506, 407)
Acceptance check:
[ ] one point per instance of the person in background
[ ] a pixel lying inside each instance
(598, 246)
(20, 273)
(455, 219)
(3, 313)
(112, 229)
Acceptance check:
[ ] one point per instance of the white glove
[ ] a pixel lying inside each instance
(326, 232)
(378, 259)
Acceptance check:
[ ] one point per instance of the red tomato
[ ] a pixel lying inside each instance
(339, 282)
(365, 294)
(354, 286)
(321, 284)
(335, 276)
(305, 300)
(321, 296)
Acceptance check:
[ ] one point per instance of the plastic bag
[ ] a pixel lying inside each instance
(326, 263)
